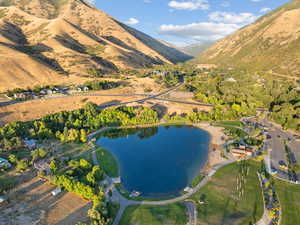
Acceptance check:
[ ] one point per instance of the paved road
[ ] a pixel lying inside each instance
(192, 211)
(146, 98)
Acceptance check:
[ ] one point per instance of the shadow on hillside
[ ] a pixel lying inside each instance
(69, 42)
(16, 35)
(86, 33)
(120, 43)
(170, 53)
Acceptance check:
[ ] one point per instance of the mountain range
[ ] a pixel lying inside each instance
(49, 41)
(270, 43)
(197, 49)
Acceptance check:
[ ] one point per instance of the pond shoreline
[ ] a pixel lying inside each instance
(217, 140)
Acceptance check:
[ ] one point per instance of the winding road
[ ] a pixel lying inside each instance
(146, 97)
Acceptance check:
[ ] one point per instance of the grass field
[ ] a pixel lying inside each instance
(289, 196)
(230, 123)
(220, 195)
(197, 180)
(173, 214)
(108, 162)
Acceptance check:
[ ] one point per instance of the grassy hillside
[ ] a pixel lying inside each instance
(271, 43)
(67, 38)
(197, 49)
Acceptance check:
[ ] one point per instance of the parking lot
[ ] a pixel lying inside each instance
(276, 142)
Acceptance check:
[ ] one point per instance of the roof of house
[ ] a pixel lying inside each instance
(30, 142)
(3, 160)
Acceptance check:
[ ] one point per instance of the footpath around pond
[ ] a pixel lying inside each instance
(124, 202)
(192, 211)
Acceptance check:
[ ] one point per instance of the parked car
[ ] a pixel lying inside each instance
(3, 200)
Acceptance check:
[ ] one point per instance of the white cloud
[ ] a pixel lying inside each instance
(256, 0)
(225, 4)
(264, 10)
(205, 31)
(147, 1)
(132, 21)
(226, 17)
(90, 1)
(189, 5)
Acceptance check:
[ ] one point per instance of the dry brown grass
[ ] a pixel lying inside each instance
(74, 39)
(34, 204)
(27, 111)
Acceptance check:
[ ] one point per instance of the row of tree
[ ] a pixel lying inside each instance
(73, 126)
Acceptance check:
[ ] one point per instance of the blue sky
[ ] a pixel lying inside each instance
(184, 22)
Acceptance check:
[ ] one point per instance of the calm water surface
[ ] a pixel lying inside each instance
(158, 161)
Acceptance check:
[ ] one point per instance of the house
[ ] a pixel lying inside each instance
(135, 194)
(43, 92)
(80, 89)
(4, 163)
(230, 79)
(49, 92)
(19, 95)
(24, 95)
(30, 143)
(43, 165)
(56, 191)
(188, 189)
(238, 152)
(116, 180)
(206, 66)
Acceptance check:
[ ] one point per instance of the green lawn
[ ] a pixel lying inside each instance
(230, 123)
(108, 162)
(289, 196)
(197, 180)
(220, 196)
(173, 214)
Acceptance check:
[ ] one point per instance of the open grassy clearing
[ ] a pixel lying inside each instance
(173, 214)
(67, 150)
(289, 196)
(230, 123)
(221, 197)
(197, 180)
(108, 162)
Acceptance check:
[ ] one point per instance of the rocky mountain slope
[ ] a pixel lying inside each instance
(271, 43)
(46, 41)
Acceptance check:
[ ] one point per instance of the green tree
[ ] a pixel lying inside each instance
(84, 164)
(83, 136)
(53, 166)
(12, 158)
(22, 165)
(38, 154)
